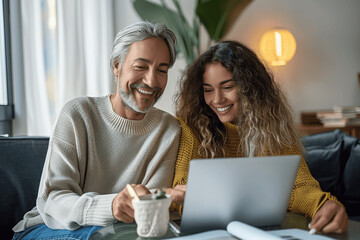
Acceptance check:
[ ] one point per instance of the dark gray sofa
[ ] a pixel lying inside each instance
(333, 159)
(21, 164)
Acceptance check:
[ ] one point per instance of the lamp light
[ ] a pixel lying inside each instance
(277, 46)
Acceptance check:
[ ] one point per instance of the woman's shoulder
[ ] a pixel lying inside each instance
(187, 134)
(189, 143)
(184, 126)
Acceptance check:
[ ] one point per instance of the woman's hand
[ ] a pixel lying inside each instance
(331, 217)
(177, 193)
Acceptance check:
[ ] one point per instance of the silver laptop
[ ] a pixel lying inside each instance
(253, 190)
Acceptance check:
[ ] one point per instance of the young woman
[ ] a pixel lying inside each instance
(230, 106)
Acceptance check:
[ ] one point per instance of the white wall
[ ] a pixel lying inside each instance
(324, 69)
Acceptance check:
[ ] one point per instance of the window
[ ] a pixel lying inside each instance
(6, 106)
(62, 48)
(3, 85)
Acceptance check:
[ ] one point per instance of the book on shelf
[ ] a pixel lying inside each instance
(336, 115)
(346, 109)
(342, 122)
(340, 116)
(238, 230)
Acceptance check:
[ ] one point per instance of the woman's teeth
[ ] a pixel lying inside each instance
(223, 109)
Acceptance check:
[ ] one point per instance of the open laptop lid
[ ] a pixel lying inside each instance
(253, 190)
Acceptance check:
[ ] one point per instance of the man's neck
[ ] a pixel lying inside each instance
(123, 111)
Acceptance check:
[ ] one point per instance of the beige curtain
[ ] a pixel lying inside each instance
(66, 47)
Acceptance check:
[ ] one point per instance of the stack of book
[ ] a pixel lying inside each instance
(340, 116)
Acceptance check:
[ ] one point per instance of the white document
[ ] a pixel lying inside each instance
(298, 234)
(247, 232)
(238, 230)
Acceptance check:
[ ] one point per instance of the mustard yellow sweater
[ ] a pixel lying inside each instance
(306, 197)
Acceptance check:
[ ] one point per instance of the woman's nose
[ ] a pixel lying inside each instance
(218, 97)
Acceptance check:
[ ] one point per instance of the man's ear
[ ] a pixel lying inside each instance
(116, 69)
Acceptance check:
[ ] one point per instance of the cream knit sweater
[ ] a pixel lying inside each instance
(93, 153)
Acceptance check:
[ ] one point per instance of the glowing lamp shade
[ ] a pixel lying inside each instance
(277, 46)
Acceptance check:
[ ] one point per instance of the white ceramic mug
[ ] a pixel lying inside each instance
(152, 215)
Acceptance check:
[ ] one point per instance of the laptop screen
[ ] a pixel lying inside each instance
(253, 190)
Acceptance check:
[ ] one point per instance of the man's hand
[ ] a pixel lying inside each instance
(122, 207)
(331, 217)
(177, 194)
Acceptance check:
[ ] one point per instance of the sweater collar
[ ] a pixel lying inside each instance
(127, 126)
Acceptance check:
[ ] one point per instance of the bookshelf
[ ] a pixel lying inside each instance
(311, 124)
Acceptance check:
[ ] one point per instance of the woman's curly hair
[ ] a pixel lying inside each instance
(264, 116)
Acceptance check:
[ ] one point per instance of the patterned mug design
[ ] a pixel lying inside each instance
(151, 216)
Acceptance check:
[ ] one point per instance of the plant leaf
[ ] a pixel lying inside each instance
(196, 30)
(174, 20)
(211, 15)
(220, 26)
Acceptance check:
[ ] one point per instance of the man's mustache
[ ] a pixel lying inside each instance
(157, 90)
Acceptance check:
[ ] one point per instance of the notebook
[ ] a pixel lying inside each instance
(254, 190)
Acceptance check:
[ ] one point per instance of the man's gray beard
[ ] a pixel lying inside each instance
(128, 100)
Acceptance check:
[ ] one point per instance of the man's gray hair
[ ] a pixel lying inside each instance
(138, 32)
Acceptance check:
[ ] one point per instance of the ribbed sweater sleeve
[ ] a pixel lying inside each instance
(100, 212)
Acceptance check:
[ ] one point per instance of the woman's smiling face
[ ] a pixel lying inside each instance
(220, 91)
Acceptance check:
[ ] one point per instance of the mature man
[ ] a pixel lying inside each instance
(101, 144)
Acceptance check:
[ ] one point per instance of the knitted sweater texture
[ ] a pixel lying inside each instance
(306, 197)
(93, 153)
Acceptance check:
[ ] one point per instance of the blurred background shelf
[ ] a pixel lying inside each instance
(307, 129)
(347, 120)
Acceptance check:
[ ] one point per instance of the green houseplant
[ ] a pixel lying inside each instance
(217, 17)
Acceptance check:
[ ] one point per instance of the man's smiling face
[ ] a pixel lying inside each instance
(143, 74)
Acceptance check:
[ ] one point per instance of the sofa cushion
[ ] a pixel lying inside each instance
(334, 160)
(21, 163)
(323, 156)
(351, 195)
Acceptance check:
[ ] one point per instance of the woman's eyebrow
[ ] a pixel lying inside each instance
(221, 83)
(226, 81)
